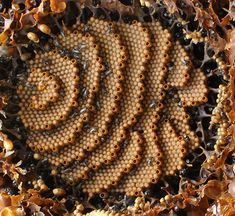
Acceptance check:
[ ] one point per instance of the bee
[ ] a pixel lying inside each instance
(114, 208)
(66, 170)
(125, 143)
(56, 43)
(90, 174)
(185, 62)
(116, 121)
(102, 139)
(92, 130)
(109, 29)
(79, 185)
(84, 92)
(82, 45)
(105, 74)
(85, 28)
(170, 66)
(153, 104)
(104, 89)
(55, 154)
(180, 104)
(163, 117)
(85, 65)
(83, 110)
(97, 103)
(172, 92)
(186, 138)
(30, 86)
(73, 113)
(46, 61)
(150, 161)
(62, 52)
(84, 163)
(75, 53)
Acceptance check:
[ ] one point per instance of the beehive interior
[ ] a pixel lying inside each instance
(108, 106)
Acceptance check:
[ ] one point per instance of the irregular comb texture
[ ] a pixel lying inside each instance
(124, 124)
(218, 116)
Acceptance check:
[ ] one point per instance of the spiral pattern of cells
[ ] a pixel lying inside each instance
(108, 106)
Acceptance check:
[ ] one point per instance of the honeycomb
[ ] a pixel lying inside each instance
(107, 106)
(218, 116)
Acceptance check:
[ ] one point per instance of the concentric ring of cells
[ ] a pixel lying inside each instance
(136, 38)
(154, 82)
(113, 97)
(106, 102)
(71, 120)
